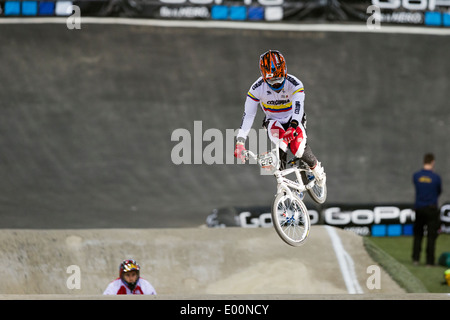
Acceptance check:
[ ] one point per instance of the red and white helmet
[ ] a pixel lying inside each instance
(127, 266)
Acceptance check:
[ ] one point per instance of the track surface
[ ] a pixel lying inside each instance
(188, 262)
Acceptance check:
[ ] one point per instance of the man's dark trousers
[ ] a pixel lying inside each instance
(428, 216)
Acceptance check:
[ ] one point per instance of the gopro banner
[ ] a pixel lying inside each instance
(365, 219)
(375, 220)
(445, 218)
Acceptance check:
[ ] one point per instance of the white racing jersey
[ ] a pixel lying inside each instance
(118, 287)
(280, 106)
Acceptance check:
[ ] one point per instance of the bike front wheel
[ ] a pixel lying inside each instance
(290, 219)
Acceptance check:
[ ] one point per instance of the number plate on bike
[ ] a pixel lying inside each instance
(268, 161)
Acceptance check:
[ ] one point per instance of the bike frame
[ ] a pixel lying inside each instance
(284, 184)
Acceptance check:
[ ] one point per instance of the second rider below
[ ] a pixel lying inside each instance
(281, 97)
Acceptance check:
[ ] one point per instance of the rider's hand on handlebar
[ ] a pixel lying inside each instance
(239, 151)
(290, 134)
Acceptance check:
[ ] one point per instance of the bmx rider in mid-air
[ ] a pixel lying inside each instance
(281, 97)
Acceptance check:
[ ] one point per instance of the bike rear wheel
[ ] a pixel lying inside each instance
(317, 193)
(290, 219)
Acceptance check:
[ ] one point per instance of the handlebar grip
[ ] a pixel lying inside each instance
(248, 154)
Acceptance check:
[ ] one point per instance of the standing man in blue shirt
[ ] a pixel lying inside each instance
(428, 188)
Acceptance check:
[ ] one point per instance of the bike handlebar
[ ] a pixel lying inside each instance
(248, 153)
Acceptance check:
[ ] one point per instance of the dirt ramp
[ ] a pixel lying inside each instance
(194, 261)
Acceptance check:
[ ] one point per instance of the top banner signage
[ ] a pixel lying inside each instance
(242, 10)
(410, 12)
(218, 2)
(416, 12)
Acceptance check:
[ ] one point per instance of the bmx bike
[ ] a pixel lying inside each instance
(289, 214)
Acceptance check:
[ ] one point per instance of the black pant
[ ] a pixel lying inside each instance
(428, 216)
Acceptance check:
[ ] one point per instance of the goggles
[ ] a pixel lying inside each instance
(274, 81)
(130, 267)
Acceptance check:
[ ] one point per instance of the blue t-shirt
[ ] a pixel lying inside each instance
(428, 188)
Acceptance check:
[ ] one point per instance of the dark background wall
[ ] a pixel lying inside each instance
(86, 118)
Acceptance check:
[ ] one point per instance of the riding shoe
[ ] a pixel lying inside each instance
(319, 174)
